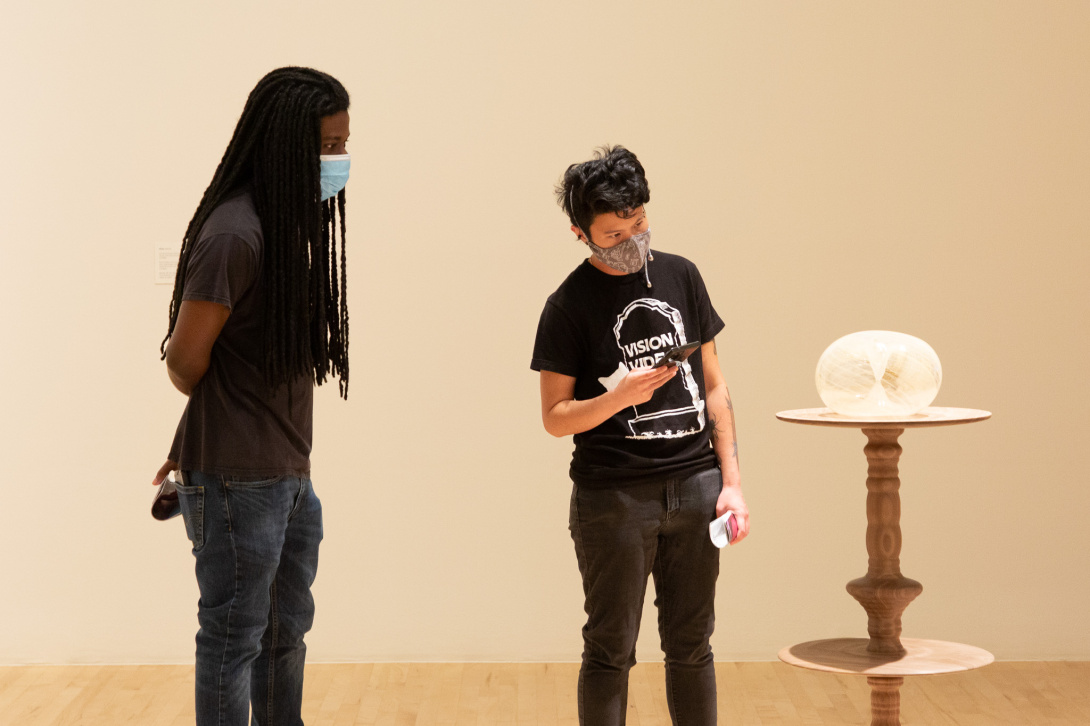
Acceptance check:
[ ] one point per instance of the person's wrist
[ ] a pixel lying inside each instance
(731, 479)
(614, 400)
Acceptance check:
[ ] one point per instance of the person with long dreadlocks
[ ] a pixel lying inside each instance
(257, 319)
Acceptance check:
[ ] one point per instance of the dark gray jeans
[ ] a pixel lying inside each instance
(621, 535)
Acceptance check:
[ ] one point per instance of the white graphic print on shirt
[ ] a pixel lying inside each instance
(645, 330)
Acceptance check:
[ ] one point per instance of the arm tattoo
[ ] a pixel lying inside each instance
(713, 420)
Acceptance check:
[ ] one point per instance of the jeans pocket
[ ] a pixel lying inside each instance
(710, 483)
(191, 501)
(259, 484)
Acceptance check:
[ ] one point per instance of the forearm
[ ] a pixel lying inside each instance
(574, 417)
(181, 383)
(189, 350)
(724, 436)
(185, 374)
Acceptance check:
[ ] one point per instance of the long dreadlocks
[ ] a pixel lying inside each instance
(274, 150)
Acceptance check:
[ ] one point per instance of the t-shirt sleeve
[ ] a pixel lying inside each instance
(556, 347)
(709, 322)
(220, 269)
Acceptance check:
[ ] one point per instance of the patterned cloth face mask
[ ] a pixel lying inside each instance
(627, 257)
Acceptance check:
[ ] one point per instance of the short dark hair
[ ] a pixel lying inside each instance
(613, 181)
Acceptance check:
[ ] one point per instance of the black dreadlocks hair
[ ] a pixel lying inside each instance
(274, 150)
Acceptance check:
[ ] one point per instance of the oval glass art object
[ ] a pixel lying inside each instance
(878, 373)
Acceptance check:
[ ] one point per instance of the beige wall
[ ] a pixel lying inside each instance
(831, 167)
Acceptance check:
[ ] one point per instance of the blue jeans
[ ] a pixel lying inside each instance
(621, 536)
(256, 545)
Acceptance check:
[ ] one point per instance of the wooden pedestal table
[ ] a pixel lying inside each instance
(885, 658)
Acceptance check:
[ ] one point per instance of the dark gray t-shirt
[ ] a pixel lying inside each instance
(234, 424)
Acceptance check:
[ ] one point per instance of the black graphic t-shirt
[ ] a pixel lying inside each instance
(596, 327)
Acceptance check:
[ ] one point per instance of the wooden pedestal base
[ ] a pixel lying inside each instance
(921, 657)
(885, 673)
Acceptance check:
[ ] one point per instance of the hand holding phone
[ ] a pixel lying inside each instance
(165, 505)
(677, 354)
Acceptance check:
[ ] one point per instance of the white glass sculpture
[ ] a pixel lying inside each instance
(878, 373)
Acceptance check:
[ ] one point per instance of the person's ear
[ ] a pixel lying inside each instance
(578, 234)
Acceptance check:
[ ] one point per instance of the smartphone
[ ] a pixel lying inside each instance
(724, 530)
(165, 505)
(677, 354)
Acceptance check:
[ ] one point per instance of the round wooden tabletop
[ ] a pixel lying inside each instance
(922, 657)
(931, 416)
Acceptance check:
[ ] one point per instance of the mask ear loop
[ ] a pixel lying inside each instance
(571, 208)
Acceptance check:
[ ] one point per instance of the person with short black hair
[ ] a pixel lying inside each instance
(656, 458)
(258, 317)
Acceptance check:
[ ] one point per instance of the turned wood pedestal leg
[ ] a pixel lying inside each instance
(884, 592)
(885, 701)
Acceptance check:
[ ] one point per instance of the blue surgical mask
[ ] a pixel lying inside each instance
(334, 174)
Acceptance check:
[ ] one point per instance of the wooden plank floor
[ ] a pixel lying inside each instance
(540, 694)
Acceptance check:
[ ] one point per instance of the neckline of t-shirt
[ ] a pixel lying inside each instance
(613, 279)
